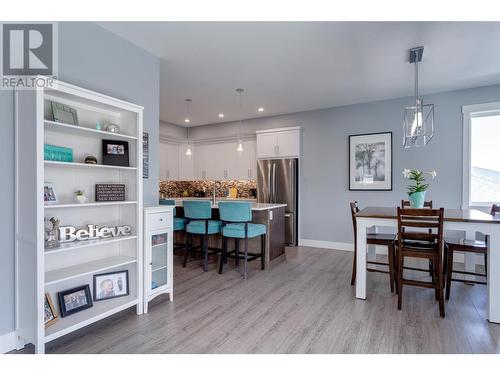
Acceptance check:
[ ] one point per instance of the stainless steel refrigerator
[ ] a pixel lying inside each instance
(277, 182)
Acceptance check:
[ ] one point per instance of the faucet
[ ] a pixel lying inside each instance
(214, 192)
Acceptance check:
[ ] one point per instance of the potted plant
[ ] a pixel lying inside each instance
(416, 192)
(80, 196)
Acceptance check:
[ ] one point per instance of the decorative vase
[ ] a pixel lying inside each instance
(81, 198)
(417, 199)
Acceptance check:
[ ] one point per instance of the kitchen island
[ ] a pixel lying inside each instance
(270, 214)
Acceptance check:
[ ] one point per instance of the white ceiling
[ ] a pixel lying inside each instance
(296, 66)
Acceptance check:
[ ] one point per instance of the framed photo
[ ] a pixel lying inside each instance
(50, 314)
(63, 113)
(115, 152)
(370, 161)
(74, 300)
(111, 285)
(145, 155)
(49, 194)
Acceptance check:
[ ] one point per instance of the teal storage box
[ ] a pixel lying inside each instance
(57, 153)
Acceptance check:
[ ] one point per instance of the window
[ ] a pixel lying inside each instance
(481, 155)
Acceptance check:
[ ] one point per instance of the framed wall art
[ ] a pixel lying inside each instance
(370, 161)
(145, 155)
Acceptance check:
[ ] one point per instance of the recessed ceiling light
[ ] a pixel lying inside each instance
(221, 115)
(261, 109)
(186, 120)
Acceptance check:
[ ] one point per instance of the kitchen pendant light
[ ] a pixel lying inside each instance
(240, 141)
(189, 151)
(418, 120)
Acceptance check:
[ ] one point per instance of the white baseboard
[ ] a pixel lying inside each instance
(345, 246)
(7, 342)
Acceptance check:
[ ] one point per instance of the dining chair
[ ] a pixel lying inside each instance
(237, 223)
(420, 235)
(198, 214)
(427, 204)
(375, 239)
(465, 246)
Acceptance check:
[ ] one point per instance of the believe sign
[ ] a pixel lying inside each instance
(92, 232)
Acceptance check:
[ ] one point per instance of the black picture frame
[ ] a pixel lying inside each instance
(96, 277)
(63, 305)
(381, 136)
(115, 153)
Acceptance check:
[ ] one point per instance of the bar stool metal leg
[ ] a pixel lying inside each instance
(262, 252)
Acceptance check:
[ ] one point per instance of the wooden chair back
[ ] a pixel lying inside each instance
(354, 210)
(427, 204)
(412, 223)
(494, 209)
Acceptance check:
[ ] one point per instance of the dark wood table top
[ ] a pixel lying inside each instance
(471, 216)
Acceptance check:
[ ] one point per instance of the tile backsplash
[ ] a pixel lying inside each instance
(173, 189)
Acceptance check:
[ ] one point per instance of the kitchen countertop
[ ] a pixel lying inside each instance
(255, 206)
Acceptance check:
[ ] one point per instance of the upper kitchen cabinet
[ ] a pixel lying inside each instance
(246, 163)
(204, 156)
(169, 161)
(278, 143)
(186, 164)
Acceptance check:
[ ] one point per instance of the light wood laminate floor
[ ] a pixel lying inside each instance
(303, 305)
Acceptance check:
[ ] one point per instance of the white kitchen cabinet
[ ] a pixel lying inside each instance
(186, 164)
(226, 161)
(204, 162)
(278, 143)
(158, 253)
(169, 161)
(246, 162)
(266, 145)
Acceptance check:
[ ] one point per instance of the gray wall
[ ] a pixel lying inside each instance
(324, 185)
(172, 131)
(94, 58)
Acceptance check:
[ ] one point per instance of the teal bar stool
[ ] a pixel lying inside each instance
(236, 223)
(198, 214)
(179, 222)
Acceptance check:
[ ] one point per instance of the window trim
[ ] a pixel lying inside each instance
(468, 112)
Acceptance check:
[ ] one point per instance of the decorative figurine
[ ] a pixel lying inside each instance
(51, 234)
(90, 160)
(80, 196)
(112, 128)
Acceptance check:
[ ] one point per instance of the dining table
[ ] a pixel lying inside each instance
(470, 221)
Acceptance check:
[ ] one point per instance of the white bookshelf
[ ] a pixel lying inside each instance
(73, 264)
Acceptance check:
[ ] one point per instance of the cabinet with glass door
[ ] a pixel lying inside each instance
(158, 253)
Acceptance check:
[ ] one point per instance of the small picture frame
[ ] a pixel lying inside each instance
(74, 300)
(49, 194)
(111, 285)
(64, 114)
(115, 153)
(50, 314)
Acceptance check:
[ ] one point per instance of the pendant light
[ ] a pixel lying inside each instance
(418, 120)
(189, 151)
(240, 141)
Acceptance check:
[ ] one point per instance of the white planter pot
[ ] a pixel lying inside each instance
(80, 198)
